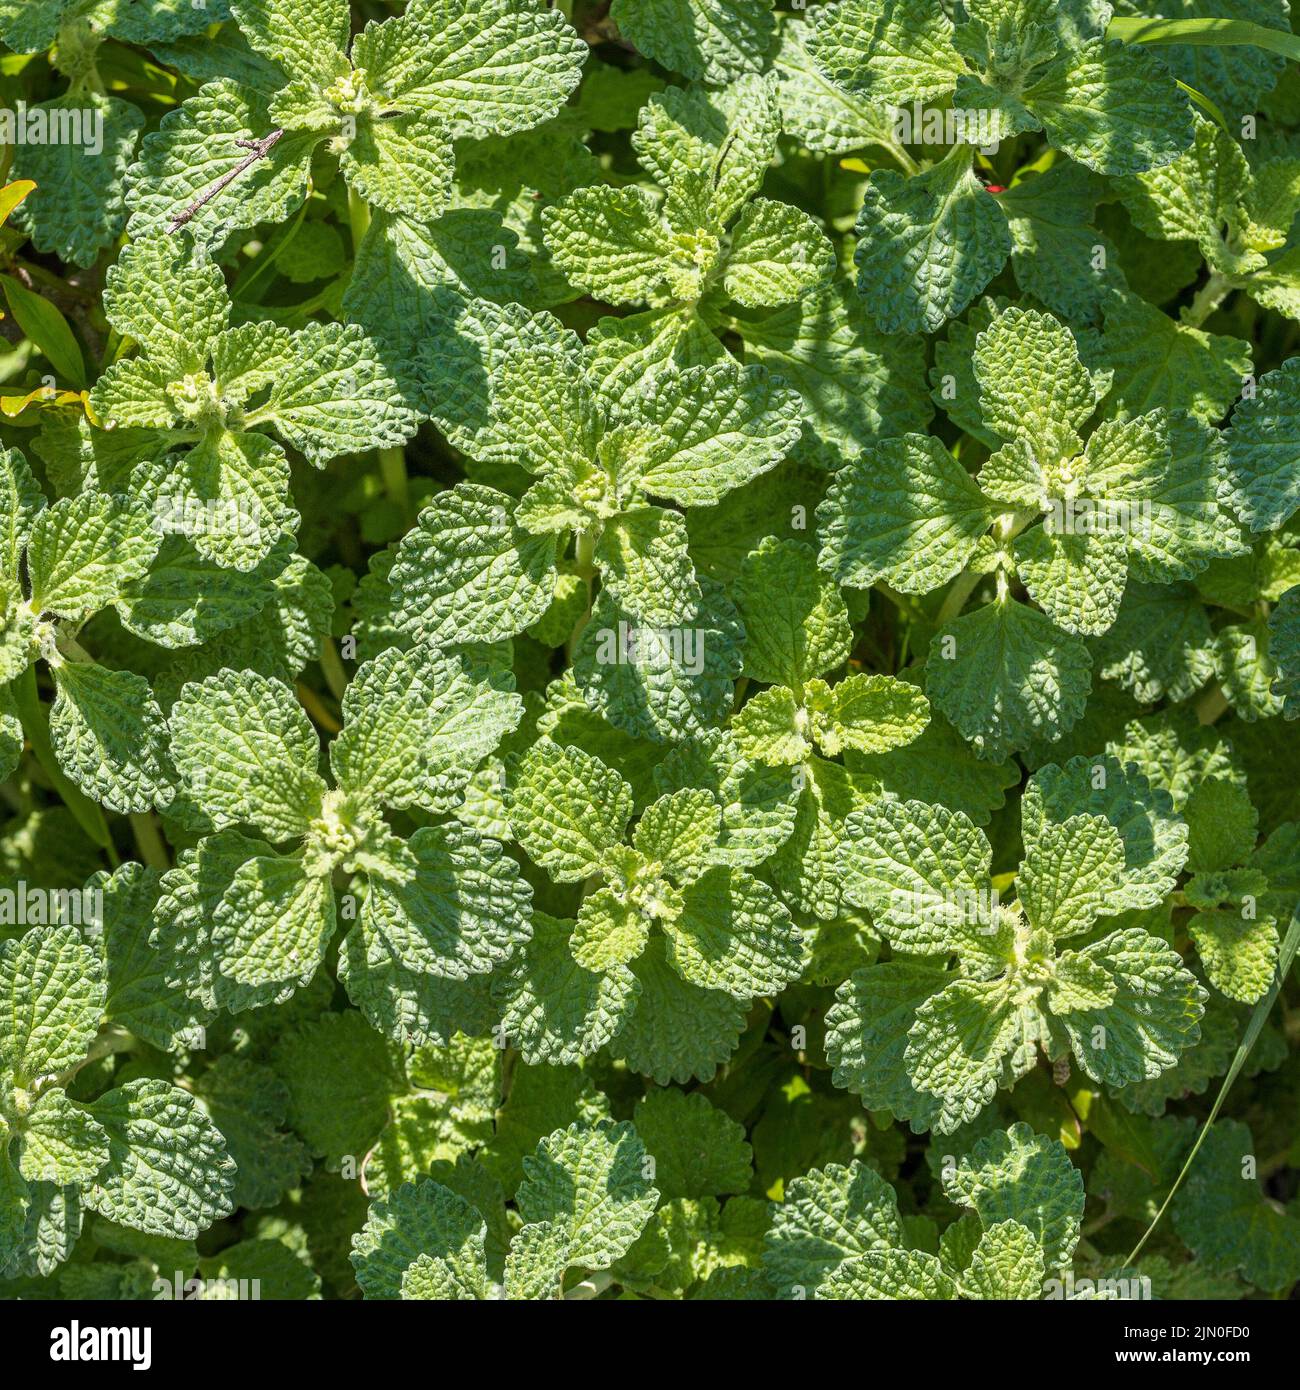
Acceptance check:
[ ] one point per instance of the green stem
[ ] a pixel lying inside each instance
(36, 727)
(1208, 298)
(908, 164)
(907, 604)
(149, 841)
(592, 1286)
(256, 270)
(962, 588)
(392, 468)
(312, 703)
(358, 216)
(584, 562)
(1212, 705)
(1286, 955)
(331, 666)
(109, 1042)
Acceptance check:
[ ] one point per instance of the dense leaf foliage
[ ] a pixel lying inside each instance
(649, 650)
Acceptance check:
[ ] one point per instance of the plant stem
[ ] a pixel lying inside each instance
(359, 217)
(592, 1286)
(905, 160)
(149, 841)
(1208, 298)
(1212, 705)
(332, 668)
(392, 468)
(962, 588)
(584, 563)
(36, 726)
(114, 1039)
(311, 702)
(1285, 957)
(271, 252)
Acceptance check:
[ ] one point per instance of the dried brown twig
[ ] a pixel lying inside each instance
(258, 149)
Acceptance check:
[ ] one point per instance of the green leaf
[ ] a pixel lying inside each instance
(168, 1171)
(568, 809)
(870, 714)
(893, 54)
(1211, 31)
(922, 871)
(1077, 580)
(1261, 451)
(816, 112)
(613, 243)
(415, 724)
(680, 831)
(79, 207)
(959, 1045)
(426, 1228)
(828, 1218)
(249, 1104)
(197, 145)
(1226, 1219)
(490, 69)
(553, 1009)
(84, 551)
(336, 397)
(796, 621)
(1160, 645)
(856, 383)
(866, 1036)
(1223, 825)
(51, 1001)
(757, 803)
(1112, 108)
(467, 573)
(1007, 1263)
(734, 934)
(1162, 363)
(60, 1143)
(1071, 870)
(1022, 1176)
(892, 1274)
(247, 753)
(1155, 839)
(1057, 254)
(677, 1031)
(341, 1077)
(927, 245)
(1033, 387)
(1005, 675)
(47, 329)
(402, 165)
(108, 736)
(1284, 646)
(1154, 1013)
(907, 512)
(778, 254)
(139, 969)
(697, 1149)
(273, 923)
(1239, 955)
(660, 684)
(717, 428)
(584, 1200)
(715, 41)
(451, 905)
(646, 567)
